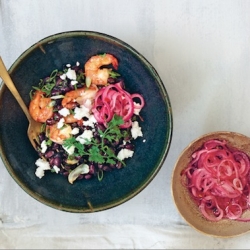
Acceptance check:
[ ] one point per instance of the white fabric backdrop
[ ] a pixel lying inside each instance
(201, 51)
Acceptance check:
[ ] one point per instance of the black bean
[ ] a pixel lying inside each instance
(65, 173)
(57, 116)
(118, 165)
(49, 153)
(117, 142)
(55, 146)
(129, 146)
(106, 168)
(67, 167)
(80, 177)
(91, 168)
(57, 161)
(50, 122)
(41, 137)
(65, 89)
(55, 92)
(113, 166)
(88, 176)
(100, 166)
(58, 81)
(100, 127)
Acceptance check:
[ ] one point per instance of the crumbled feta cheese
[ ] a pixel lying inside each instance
(144, 140)
(77, 64)
(91, 121)
(74, 82)
(81, 112)
(71, 74)
(68, 65)
(125, 153)
(60, 123)
(63, 76)
(57, 169)
(64, 112)
(136, 130)
(75, 131)
(43, 146)
(86, 135)
(69, 150)
(42, 166)
(136, 110)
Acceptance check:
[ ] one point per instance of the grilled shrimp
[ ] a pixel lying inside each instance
(58, 135)
(40, 107)
(94, 73)
(79, 96)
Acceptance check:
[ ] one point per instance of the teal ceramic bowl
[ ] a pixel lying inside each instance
(118, 186)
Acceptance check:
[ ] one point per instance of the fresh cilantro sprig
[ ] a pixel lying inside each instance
(47, 85)
(99, 151)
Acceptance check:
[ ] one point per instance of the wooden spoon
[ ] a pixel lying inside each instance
(34, 127)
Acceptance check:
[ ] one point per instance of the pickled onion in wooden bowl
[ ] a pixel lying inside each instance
(210, 184)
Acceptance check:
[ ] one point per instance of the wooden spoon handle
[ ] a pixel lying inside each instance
(9, 83)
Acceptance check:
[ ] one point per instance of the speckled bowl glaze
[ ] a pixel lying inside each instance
(117, 186)
(183, 201)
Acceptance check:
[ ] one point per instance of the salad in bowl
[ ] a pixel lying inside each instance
(105, 118)
(88, 120)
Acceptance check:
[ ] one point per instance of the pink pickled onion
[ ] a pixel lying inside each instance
(218, 179)
(113, 99)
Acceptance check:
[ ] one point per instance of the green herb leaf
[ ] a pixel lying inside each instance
(97, 151)
(113, 74)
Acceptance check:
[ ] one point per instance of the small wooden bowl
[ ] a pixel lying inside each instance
(183, 201)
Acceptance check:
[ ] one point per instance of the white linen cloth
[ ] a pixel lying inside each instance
(201, 51)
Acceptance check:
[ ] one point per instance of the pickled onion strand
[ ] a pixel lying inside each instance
(218, 179)
(211, 216)
(113, 99)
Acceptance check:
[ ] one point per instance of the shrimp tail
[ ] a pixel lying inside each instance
(115, 63)
(94, 71)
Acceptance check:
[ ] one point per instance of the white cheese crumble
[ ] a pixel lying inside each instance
(74, 82)
(64, 112)
(71, 74)
(136, 130)
(125, 153)
(63, 76)
(57, 169)
(91, 121)
(43, 146)
(86, 135)
(75, 131)
(68, 65)
(136, 110)
(81, 112)
(77, 64)
(60, 123)
(42, 166)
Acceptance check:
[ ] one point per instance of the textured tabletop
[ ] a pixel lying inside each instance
(201, 50)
